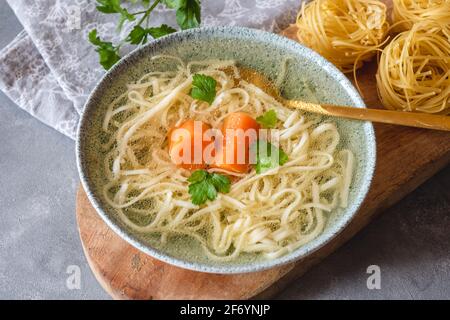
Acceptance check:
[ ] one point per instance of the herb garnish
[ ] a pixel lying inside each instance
(203, 88)
(269, 159)
(187, 13)
(108, 54)
(268, 120)
(204, 186)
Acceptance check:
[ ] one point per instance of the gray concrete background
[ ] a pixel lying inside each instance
(38, 233)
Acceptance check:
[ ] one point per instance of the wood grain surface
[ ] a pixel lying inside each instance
(406, 157)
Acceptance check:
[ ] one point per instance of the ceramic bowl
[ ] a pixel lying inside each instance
(264, 52)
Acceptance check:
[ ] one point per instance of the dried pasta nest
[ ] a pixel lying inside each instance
(408, 12)
(414, 70)
(346, 32)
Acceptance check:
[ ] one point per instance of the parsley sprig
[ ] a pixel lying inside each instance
(205, 186)
(203, 88)
(268, 120)
(108, 54)
(187, 13)
(269, 158)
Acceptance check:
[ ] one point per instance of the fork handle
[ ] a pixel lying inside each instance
(411, 119)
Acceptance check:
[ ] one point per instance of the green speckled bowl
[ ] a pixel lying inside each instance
(263, 52)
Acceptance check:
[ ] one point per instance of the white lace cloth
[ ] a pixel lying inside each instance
(50, 68)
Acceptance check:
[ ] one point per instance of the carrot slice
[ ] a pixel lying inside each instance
(239, 131)
(189, 137)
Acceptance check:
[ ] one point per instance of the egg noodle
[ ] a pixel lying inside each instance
(408, 12)
(271, 213)
(345, 32)
(414, 70)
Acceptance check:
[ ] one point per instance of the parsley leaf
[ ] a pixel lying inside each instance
(203, 88)
(197, 176)
(140, 35)
(174, 4)
(268, 160)
(158, 32)
(205, 186)
(202, 191)
(220, 182)
(137, 35)
(113, 6)
(211, 192)
(188, 13)
(107, 52)
(268, 120)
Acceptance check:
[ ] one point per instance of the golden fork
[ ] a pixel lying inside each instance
(412, 119)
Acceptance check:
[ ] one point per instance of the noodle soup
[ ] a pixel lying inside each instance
(264, 212)
(298, 181)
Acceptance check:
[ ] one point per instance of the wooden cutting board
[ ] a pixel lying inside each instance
(406, 157)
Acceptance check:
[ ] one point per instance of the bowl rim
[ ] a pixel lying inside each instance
(259, 265)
